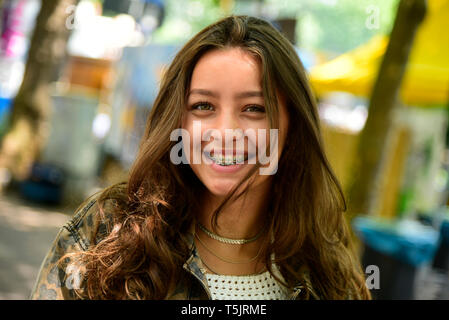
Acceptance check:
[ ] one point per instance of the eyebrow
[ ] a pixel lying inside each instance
(245, 94)
(250, 94)
(203, 92)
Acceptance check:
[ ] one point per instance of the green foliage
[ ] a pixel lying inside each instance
(332, 26)
(339, 26)
(184, 18)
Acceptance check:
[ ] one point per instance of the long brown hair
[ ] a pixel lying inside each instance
(142, 257)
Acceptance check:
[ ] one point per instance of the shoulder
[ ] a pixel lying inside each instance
(89, 225)
(92, 222)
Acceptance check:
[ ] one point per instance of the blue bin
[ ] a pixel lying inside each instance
(441, 261)
(398, 249)
(408, 241)
(45, 184)
(445, 231)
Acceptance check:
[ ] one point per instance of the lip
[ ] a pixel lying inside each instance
(226, 169)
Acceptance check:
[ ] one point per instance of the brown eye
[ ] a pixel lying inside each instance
(255, 108)
(202, 106)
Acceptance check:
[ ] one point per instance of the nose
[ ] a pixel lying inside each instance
(229, 127)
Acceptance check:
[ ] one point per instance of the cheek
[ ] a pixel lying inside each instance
(186, 123)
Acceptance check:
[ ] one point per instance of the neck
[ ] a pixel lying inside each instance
(239, 219)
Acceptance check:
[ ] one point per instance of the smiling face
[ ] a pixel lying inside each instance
(226, 94)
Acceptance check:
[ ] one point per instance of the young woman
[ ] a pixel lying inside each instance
(221, 223)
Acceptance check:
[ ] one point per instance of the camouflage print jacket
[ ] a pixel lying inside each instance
(54, 282)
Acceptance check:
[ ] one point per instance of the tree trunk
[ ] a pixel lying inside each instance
(384, 98)
(29, 120)
(1, 17)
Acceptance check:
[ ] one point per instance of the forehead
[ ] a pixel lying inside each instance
(229, 67)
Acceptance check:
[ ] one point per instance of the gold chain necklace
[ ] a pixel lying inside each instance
(227, 260)
(210, 269)
(215, 272)
(228, 240)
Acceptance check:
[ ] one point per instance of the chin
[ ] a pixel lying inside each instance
(220, 188)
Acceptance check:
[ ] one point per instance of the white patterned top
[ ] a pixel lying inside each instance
(261, 286)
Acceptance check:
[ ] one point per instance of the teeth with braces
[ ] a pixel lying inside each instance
(227, 160)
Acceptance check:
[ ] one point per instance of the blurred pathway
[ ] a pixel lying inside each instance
(26, 234)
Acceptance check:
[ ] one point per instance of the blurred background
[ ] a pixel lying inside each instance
(78, 78)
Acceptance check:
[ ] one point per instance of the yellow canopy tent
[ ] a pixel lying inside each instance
(426, 80)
